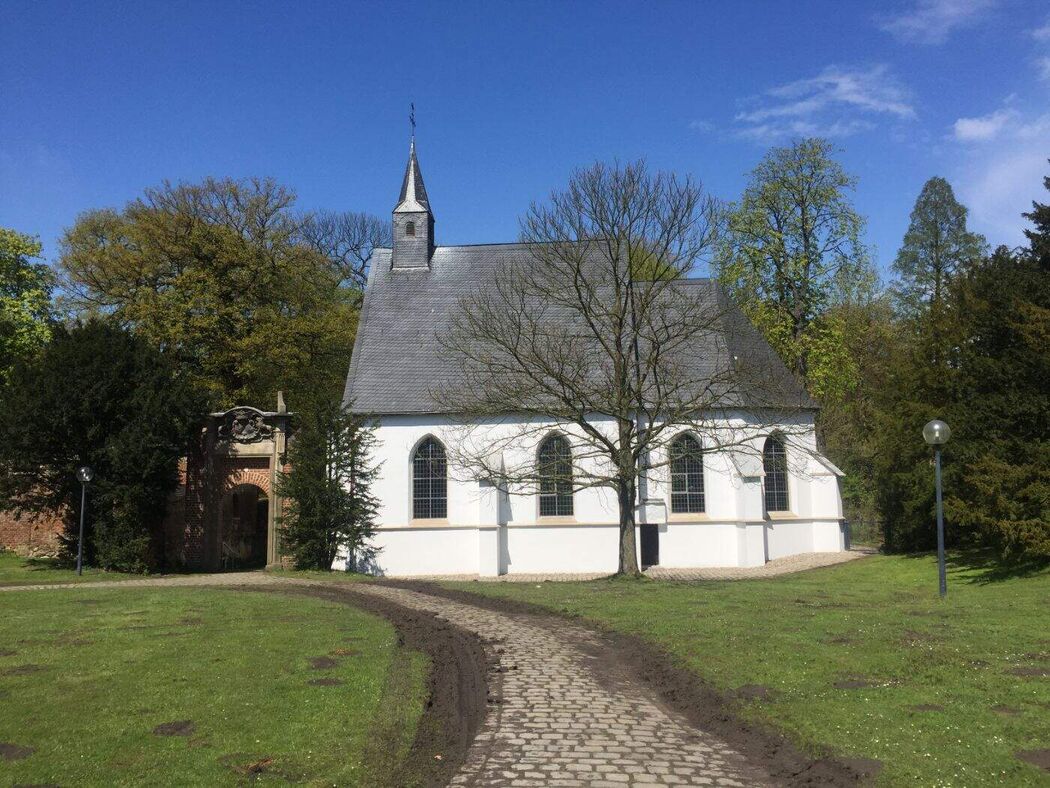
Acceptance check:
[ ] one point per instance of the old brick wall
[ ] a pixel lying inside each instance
(30, 535)
(194, 508)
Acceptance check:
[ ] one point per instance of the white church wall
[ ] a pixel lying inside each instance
(538, 549)
(687, 545)
(788, 537)
(733, 531)
(427, 551)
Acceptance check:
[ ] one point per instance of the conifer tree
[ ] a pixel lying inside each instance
(992, 322)
(331, 507)
(97, 395)
(936, 246)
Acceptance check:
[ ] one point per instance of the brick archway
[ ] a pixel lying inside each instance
(247, 470)
(241, 446)
(243, 521)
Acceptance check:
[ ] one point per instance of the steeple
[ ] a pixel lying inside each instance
(413, 193)
(413, 221)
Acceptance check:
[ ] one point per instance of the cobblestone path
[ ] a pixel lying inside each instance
(567, 718)
(565, 714)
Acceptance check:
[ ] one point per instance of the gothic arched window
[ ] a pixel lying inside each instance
(429, 481)
(555, 472)
(687, 475)
(774, 463)
(410, 228)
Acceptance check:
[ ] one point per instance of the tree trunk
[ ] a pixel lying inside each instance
(626, 494)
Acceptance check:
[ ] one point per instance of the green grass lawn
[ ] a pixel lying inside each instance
(16, 570)
(976, 664)
(86, 678)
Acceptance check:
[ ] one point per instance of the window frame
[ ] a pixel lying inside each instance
(564, 503)
(436, 505)
(775, 470)
(674, 474)
(410, 229)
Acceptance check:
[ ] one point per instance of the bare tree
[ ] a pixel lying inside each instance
(347, 239)
(599, 335)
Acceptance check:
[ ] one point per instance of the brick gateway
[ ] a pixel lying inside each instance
(221, 515)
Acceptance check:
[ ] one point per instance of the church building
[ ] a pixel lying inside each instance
(737, 507)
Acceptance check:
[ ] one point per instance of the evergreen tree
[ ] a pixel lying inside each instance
(989, 384)
(936, 246)
(99, 396)
(1039, 238)
(331, 508)
(1002, 406)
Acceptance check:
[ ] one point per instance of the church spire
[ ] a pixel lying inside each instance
(413, 193)
(413, 221)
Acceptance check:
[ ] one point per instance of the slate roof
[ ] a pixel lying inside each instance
(397, 363)
(413, 197)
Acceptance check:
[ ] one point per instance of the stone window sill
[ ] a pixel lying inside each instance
(689, 517)
(556, 521)
(429, 521)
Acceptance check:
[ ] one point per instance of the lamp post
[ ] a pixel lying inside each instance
(936, 433)
(84, 476)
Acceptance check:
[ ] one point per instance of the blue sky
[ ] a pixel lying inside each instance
(101, 100)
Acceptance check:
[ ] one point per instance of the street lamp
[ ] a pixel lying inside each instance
(84, 476)
(936, 434)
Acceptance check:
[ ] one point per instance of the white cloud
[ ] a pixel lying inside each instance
(702, 125)
(984, 128)
(771, 132)
(1042, 33)
(1042, 66)
(932, 21)
(837, 102)
(999, 181)
(1037, 130)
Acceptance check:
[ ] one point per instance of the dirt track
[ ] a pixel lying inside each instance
(457, 683)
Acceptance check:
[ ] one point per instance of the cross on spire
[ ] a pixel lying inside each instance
(412, 118)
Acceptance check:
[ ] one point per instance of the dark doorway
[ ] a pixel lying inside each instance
(650, 544)
(245, 527)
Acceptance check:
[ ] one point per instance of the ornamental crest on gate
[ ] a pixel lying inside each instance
(244, 425)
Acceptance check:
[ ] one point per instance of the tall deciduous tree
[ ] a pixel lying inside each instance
(100, 396)
(347, 240)
(25, 299)
(793, 250)
(936, 246)
(596, 337)
(228, 278)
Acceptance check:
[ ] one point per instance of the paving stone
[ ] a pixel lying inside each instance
(559, 722)
(592, 735)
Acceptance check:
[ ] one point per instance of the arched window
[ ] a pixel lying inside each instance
(429, 481)
(410, 228)
(687, 474)
(555, 472)
(774, 463)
